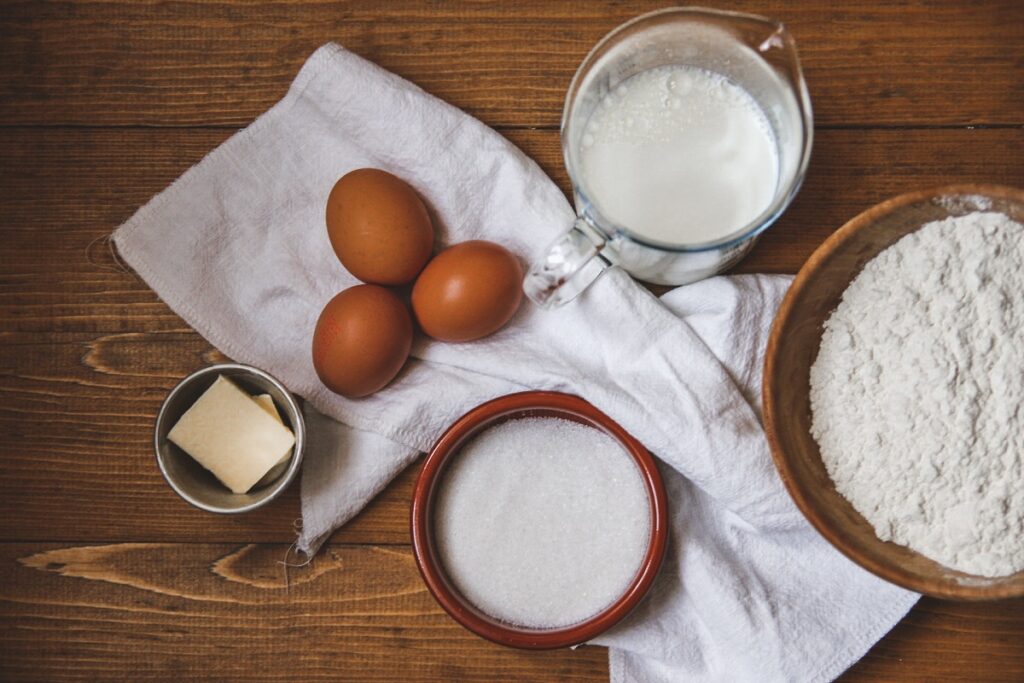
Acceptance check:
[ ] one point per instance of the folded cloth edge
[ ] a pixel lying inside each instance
(181, 306)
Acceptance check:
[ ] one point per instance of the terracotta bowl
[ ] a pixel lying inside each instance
(511, 407)
(793, 347)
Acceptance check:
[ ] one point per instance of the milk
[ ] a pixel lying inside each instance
(679, 155)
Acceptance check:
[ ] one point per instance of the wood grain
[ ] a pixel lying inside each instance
(183, 63)
(944, 641)
(105, 102)
(203, 612)
(233, 611)
(87, 352)
(115, 171)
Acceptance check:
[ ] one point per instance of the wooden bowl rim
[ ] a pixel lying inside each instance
(465, 613)
(894, 573)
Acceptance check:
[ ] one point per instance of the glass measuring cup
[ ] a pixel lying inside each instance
(755, 53)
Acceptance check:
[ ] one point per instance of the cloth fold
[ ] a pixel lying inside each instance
(237, 247)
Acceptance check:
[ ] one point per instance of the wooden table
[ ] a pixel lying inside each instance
(104, 572)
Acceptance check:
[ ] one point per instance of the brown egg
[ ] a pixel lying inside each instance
(362, 340)
(379, 227)
(468, 291)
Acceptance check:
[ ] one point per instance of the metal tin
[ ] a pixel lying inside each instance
(191, 480)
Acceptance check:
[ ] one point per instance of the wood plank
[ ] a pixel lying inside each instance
(76, 414)
(87, 353)
(50, 219)
(197, 612)
(74, 612)
(79, 449)
(224, 62)
(948, 641)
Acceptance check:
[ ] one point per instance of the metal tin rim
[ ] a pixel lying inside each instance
(298, 428)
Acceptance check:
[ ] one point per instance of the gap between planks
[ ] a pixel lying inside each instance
(499, 128)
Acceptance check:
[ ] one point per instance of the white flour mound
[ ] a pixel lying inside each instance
(917, 393)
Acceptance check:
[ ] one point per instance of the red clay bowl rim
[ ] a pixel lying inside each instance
(422, 533)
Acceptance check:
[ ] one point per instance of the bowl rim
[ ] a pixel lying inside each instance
(424, 550)
(295, 417)
(894, 573)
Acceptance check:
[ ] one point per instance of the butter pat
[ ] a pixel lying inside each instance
(266, 401)
(232, 436)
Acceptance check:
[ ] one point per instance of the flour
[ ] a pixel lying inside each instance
(917, 393)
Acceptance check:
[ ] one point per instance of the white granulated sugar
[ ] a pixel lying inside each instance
(542, 522)
(917, 393)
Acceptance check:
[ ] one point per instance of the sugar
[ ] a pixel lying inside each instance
(542, 522)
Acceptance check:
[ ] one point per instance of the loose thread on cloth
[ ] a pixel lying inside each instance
(286, 565)
(108, 242)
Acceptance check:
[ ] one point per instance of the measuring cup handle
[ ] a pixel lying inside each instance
(570, 265)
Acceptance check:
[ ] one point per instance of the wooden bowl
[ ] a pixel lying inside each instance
(792, 349)
(490, 414)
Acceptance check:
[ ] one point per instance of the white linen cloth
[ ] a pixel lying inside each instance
(237, 247)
